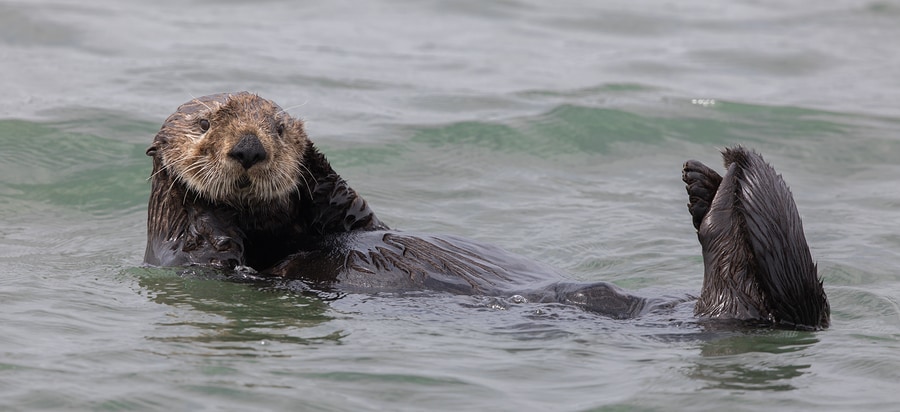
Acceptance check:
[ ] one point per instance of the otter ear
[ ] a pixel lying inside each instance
(159, 140)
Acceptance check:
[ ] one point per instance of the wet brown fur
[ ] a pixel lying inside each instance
(207, 209)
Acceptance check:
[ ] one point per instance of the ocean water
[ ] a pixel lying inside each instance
(556, 130)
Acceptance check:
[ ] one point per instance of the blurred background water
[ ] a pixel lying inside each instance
(553, 129)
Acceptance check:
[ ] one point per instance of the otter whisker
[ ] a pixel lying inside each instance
(201, 102)
(284, 111)
(152, 175)
(306, 182)
(198, 166)
(171, 186)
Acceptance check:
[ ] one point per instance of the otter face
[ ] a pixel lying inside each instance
(238, 149)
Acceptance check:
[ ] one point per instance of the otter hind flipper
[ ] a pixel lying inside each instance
(785, 268)
(757, 262)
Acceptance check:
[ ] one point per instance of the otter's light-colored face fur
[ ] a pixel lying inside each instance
(197, 145)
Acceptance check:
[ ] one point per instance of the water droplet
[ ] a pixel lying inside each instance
(518, 299)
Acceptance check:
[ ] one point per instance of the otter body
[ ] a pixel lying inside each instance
(237, 182)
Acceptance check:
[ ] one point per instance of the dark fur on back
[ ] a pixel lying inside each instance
(757, 262)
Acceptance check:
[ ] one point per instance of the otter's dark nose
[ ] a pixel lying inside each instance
(248, 151)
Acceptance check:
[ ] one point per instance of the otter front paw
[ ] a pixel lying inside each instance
(701, 185)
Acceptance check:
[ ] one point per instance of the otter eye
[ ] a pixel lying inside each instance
(204, 125)
(279, 128)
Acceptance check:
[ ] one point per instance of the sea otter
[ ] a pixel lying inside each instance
(237, 183)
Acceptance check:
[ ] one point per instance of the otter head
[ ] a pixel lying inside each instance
(232, 148)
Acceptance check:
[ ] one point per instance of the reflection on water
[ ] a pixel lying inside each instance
(742, 361)
(227, 312)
